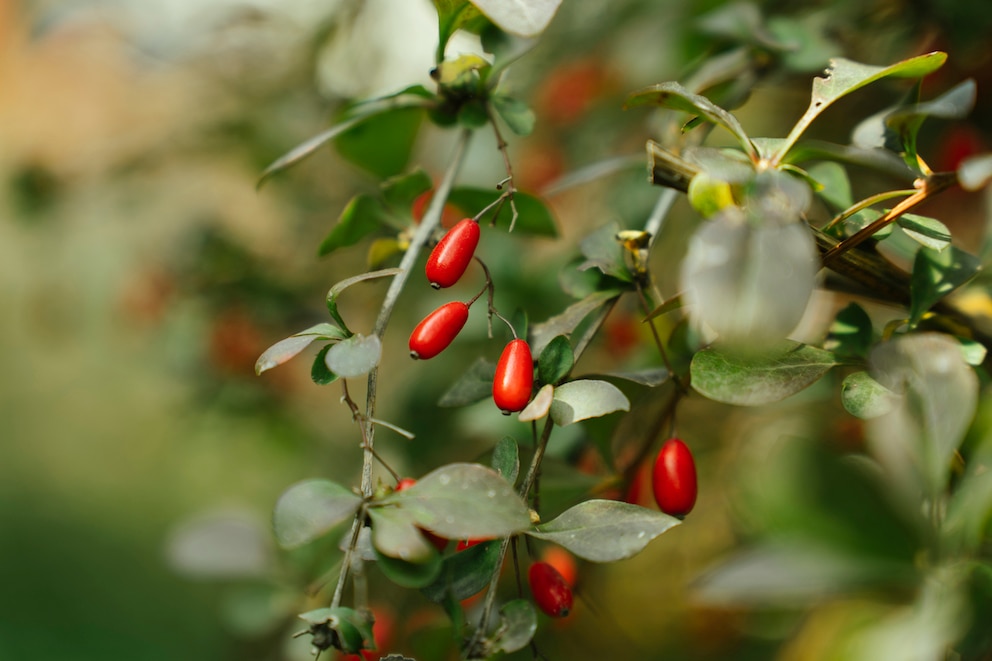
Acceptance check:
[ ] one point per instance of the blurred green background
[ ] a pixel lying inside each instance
(141, 275)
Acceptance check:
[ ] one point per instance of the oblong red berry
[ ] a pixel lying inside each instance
(551, 593)
(452, 254)
(674, 478)
(437, 330)
(514, 378)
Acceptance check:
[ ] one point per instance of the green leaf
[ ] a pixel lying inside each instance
(605, 530)
(845, 76)
(362, 216)
(851, 333)
(465, 573)
(972, 351)
(319, 373)
(284, 350)
(408, 574)
(506, 459)
(517, 626)
(569, 319)
(584, 399)
(453, 15)
(311, 508)
(975, 172)
(355, 356)
(517, 115)
(525, 18)
(928, 232)
(935, 275)
(756, 379)
(305, 149)
(555, 360)
(473, 114)
(463, 501)
(395, 535)
(535, 218)
(836, 186)
(673, 95)
(539, 406)
(399, 192)
(969, 512)
(474, 385)
(956, 103)
(338, 288)
(864, 397)
(743, 23)
(382, 143)
(604, 251)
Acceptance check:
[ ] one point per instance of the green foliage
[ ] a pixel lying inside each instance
(310, 509)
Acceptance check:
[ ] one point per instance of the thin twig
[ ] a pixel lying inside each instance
(508, 183)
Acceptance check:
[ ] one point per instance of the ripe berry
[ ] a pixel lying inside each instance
(452, 254)
(551, 593)
(514, 377)
(674, 478)
(437, 330)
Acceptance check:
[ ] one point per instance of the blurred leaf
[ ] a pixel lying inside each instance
(517, 626)
(382, 250)
(756, 379)
(400, 191)
(651, 377)
(937, 274)
(555, 360)
(473, 114)
(453, 15)
(354, 630)
(395, 535)
(673, 95)
(463, 501)
(845, 76)
(605, 530)
(851, 332)
(750, 283)
(220, 546)
(969, 513)
(975, 172)
(808, 40)
(978, 639)
(283, 350)
(517, 115)
(674, 303)
(836, 186)
(603, 251)
(928, 232)
(535, 218)
(465, 573)
(526, 18)
(408, 574)
(782, 574)
(355, 356)
(972, 351)
(339, 287)
(311, 508)
(955, 103)
(506, 459)
(474, 385)
(741, 22)
(257, 609)
(569, 319)
(319, 372)
(382, 143)
(362, 216)
(584, 399)
(864, 397)
(937, 397)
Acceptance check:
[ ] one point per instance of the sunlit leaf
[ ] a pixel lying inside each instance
(311, 508)
(673, 95)
(584, 399)
(286, 349)
(463, 501)
(928, 232)
(539, 406)
(845, 76)
(836, 186)
(851, 333)
(755, 379)
(937, 274)
(605, 530)
(355, 356)
(526, 18)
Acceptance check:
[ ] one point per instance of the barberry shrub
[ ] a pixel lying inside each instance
(893, 525)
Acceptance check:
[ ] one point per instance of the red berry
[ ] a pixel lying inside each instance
(437, 330)
(563, 562)
(674, 478)
(405, 483)
(551, 593)
(452, 254)
(514, 377)
(468, 543)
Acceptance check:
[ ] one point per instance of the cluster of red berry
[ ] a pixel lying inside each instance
(514, 378)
